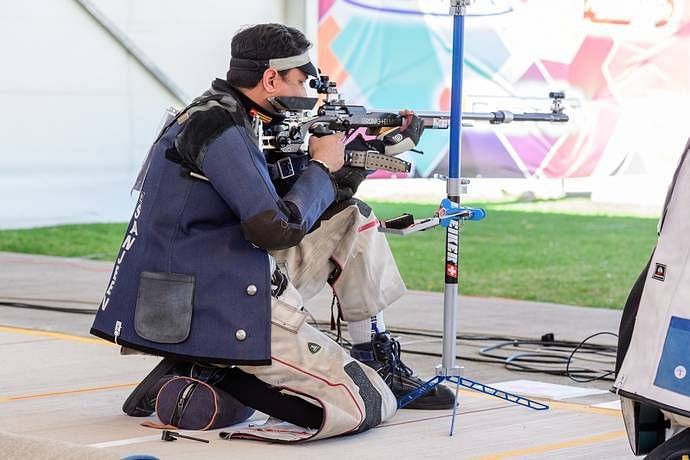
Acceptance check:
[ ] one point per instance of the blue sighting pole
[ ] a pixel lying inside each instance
(448, 369)
(453, 190)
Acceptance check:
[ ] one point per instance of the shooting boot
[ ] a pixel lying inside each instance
(383, 355)
(142, 401)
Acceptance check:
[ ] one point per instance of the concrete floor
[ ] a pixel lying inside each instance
(61, 390)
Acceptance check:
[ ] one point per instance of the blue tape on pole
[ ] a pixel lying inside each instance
(456, 97)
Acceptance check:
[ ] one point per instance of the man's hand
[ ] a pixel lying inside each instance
(347, 180)
(329, 149)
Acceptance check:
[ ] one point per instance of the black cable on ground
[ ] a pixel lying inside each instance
(605, 376)
(560, 353)
(31, 306)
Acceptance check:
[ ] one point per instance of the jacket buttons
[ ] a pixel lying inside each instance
(240, 334)
(251, 289)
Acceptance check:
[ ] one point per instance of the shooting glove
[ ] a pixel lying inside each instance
(403, 138)
(347, 180)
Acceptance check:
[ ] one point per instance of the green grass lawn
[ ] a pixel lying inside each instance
(521, 254)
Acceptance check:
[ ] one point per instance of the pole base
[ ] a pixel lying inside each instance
(407, 398)
(454, 371)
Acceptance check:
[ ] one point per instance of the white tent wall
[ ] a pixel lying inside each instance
(79, 112)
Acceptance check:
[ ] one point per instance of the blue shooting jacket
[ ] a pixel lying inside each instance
(192, 278)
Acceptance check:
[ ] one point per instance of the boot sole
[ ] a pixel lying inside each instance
(430, 406)
(428, 402)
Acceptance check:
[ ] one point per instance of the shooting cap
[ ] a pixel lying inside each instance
(300, 61)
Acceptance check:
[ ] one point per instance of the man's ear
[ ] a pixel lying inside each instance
(269, 80)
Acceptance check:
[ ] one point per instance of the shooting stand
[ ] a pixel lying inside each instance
(449, 216)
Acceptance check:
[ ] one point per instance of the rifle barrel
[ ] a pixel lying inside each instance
(441, 120)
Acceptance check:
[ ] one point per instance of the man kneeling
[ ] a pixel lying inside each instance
(217, 262)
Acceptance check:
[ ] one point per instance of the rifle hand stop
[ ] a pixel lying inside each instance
(448, 211)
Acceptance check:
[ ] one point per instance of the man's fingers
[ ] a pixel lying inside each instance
(407, 115)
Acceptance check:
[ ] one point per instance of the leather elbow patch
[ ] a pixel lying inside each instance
(269, 231)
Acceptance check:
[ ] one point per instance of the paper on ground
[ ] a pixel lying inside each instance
(545, 390)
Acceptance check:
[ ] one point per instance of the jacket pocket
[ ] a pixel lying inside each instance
(287, 316)
(163, 313)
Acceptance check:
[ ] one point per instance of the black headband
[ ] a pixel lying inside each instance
(248, 64)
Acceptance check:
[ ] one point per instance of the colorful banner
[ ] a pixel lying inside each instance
(624, 65)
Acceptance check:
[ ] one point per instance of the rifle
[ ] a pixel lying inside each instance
(287, 138)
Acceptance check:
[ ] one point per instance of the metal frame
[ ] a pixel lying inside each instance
(130, 48)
